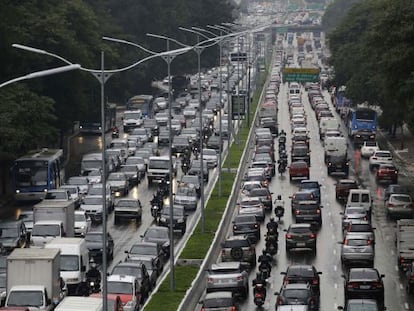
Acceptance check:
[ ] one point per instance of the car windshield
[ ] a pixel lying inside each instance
(127, 203)
(144, 250)
(371, 143)
(354, 210)
(156, 233)
(302, 196)
(356, 242)
(78, 181)
(46, 230)
(80, 217)
(56, 195)
(159, 164)
(3, 262)
(92, 200)
(128, 168)
(300, 272)
(25, 298)
(360, 228)
(259, 192)
(191, 179)
(382, 154)
(295, 293)
(120, 288)
(176, 212)
(401, 198)
(116, 177)
(299, 230)
(96, 191)
(8, 232)
(93, 237)
(69, 263)
(209, 152)
(185, 191)
(127, 270)
(235, 243)
(218, 302)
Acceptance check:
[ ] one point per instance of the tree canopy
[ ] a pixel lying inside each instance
(74, 29)
(373, 55)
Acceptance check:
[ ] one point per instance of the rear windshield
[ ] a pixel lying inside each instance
(363, 274)
(218, 302)
(236, 243)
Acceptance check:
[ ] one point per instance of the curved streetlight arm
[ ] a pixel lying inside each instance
(130, 43)
(94, 71)
(39, 51)
(167, 38)
(206, 31)
(42, 73)
(216, 27)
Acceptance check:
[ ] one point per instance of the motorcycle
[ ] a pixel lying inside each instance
(94, 284)
(156, 207)
(271, 245)
(281, 167)
(115, 132)
(259, 294)
(279, 212)
(264, 270)
(185, 167)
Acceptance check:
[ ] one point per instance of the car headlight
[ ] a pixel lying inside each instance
(163, 219)
(180, 220)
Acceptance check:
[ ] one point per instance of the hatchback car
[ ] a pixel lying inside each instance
(400, 206)
(252, 206)
(222, 300)
(297, 294)
(265, 196)
(186, 195)
(387, 172)
(380, 157)
(353, 213)
(159, 235)
(228, 276)
(246, 225)
(368, 148)
(147, 250)
(303, 274)
(298, 169)
(357, 250)
(300, 196)
(364, 283)
(300, 236)
(119, 183)
(309, 212)
(360, 227)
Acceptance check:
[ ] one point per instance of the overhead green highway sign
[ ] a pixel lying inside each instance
(300, 74)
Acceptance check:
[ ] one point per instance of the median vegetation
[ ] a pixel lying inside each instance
(199, 243)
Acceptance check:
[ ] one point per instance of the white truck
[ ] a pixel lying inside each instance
(80, 304)
(336, 155)
(74, 260)
(132, 119)
(404, 236)
(327, 124)
(33, 279)
(158, 168)
(56, 211)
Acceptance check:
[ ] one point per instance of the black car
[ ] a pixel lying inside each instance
(179, 218)
(132, 172)
(149, 250)
(214, 142)
(297, 294)
(195, 169)
(159, 235)
(247, 225)
(180, 144)
(13, 235)
(300, 153)
(303, 274)
(309, 212)
(300, 236)
(94, 243)
(138, 270)
(364, 283)
(311, 186)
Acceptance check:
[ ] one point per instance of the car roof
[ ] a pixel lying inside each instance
(220, 294)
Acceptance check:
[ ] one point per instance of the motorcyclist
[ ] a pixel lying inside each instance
(280, 204)
(282, 133)
(272, 226)
(266, 260)
(259, 281)
(93, 273)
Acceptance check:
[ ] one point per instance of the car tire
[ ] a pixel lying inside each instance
(236, 253)
(183, 230)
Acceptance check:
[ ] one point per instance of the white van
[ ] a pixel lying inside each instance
(335, 147)
(74, 260)
(294, 88)
(326, 124)
(74, 303)
(46, 230)
(361, 198)
(132, 119)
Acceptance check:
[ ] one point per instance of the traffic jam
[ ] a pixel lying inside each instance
(322, 220)
(292, 195)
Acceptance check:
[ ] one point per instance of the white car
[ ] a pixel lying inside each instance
(82, 223)
(210, 155)
(368, 148)
(380, 157)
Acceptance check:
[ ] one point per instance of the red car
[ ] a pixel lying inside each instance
(387, 172)
(298, 169)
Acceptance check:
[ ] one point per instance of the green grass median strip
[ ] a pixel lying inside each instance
(199, 243)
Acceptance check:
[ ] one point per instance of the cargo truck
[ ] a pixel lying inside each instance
(405, 243)
(55, 212)
(33, 279)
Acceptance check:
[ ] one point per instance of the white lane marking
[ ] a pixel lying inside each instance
(334, 251)
(396, 268)
(335, 268)
(401, 286)
(333, 237)
(392, 252)
(406, 306)
(336, 285)
(335, 306)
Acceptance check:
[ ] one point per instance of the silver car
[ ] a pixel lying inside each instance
(252, 206)
(400, 205)
(357, 250)
(186, 195)
(353, 213)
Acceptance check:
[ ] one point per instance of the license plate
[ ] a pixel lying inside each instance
(307, 218)
(300, 244)
(364, 287)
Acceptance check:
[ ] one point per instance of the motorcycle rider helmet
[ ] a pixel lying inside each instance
(92, 263)
(272, 219)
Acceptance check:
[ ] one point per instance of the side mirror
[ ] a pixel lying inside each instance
(126, 252)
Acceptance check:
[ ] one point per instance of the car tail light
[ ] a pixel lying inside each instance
(377, 284)
(315, 281)
(369, 242)
(279, 300)
(234, 227)
(233, 308)
(312, 236)
(312, 301)
(202, 309)
(297, 212)
(223, 252)
(288, 236)
(269, 197)
(251, 250)
(346, 242)
(352, 285)
(412, 277)
(286, 281)
(390, 204)
(318, 211)
(210, 280)
(256, 225)
(239, 278)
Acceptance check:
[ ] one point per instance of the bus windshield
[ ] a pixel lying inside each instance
(33, 173)
(365, 115)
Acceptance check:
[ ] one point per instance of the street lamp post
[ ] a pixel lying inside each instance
(102, 76)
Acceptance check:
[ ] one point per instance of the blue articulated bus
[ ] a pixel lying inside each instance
(362, 124)
(36, 173)
(141, 102)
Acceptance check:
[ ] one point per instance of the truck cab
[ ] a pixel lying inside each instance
(35, 297)
(45, 230)
(74, 260)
